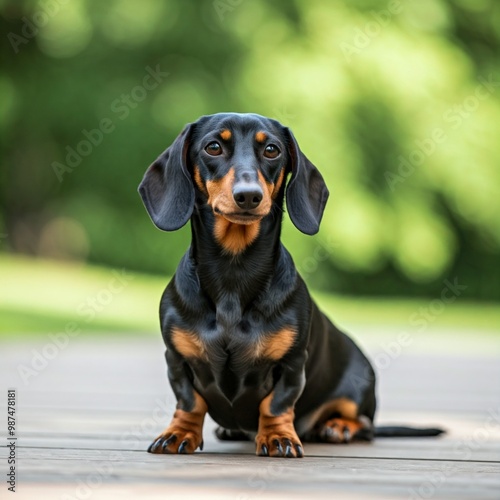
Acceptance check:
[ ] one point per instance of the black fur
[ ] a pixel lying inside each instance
(167, 189)
(233, 302)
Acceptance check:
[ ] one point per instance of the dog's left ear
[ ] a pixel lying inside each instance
(306, 193)
(167, 189)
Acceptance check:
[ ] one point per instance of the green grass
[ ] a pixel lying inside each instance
(396, 312)
(41, 297)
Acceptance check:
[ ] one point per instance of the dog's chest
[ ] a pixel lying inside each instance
(234, 366)
(232, 349)
(233, 346)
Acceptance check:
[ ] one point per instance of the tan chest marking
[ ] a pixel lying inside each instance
(188, 344)
(276, 345)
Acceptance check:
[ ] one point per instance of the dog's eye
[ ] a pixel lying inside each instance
(271, 151)
(214, 149)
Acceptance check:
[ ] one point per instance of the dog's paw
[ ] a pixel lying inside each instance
(274, 444)
(341, 430)
(176, 440)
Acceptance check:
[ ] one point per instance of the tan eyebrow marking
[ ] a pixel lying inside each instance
(226, 134)
(260, 136)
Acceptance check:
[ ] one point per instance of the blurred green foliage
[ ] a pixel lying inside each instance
(396, 102)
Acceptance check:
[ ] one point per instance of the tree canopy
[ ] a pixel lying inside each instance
(396, 102)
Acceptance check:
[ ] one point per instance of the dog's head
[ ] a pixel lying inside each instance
(239, 163)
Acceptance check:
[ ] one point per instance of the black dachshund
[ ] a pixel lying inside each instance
(244, 340)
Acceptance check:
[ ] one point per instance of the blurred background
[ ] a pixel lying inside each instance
(396, 102)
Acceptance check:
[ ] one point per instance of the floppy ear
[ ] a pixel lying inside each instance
(167, 189)
(306, 193)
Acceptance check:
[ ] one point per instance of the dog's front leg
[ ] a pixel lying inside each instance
(185, 432)
(276, 435)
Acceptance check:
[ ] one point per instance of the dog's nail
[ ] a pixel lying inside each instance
(201, 445)
(182, 446)
(154, 445)
(347, 434)
(279, 448)
(300, 451)
(167, 442)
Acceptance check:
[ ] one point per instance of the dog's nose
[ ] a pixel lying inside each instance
(247, 195)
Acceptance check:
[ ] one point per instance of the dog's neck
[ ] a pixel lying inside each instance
(233, 259)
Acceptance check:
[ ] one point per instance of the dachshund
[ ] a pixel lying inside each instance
(245, 342)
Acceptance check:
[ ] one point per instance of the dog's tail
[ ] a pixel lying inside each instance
(402, 431)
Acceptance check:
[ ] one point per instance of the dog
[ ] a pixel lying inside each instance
(245, 342)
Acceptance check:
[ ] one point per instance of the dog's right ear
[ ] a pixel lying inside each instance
(306, 193)
(167, 190)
